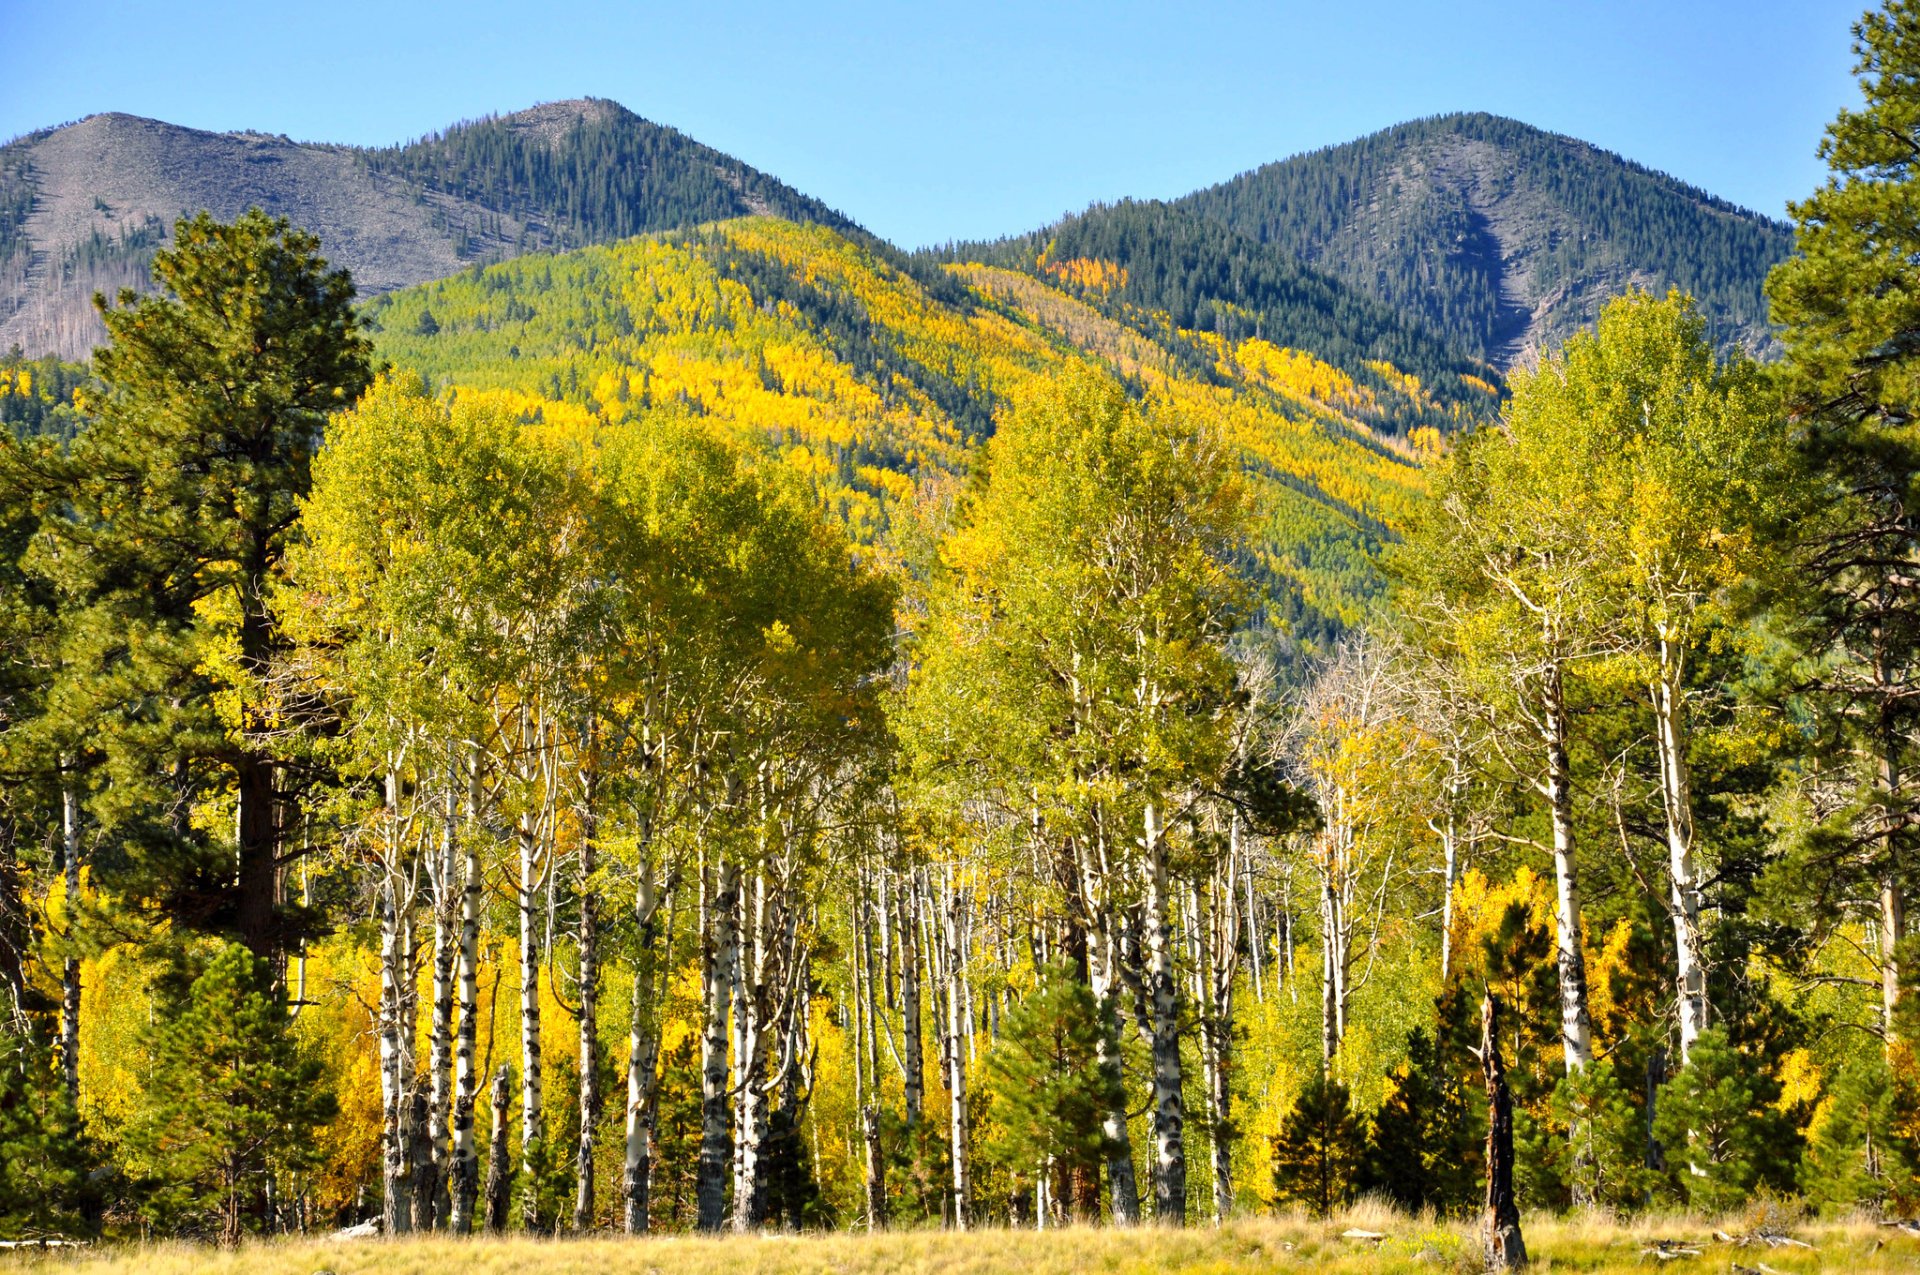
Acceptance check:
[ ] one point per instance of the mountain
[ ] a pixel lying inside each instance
(1496, 236)
(84, 206)
(878, 376)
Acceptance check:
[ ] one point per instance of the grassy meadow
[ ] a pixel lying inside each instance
(1589, 1244)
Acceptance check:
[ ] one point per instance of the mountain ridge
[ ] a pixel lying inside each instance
(1495, 234)
(83, 206)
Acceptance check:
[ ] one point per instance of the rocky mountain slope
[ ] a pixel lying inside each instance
(1498, 237)
(83, 207)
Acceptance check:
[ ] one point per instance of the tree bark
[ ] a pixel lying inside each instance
(70, 971)
(1671, 737)
(532, 1117)
(395, 1098)
(913, 1079)
(750, 1060)
(1169, 1102)
(1575, 1029)
(463, 1186)
(1506, 1249)
(721, 949)
(499, 1154)
(643, 1052)
(435, 1184)
(956, 1059)
(589, 938)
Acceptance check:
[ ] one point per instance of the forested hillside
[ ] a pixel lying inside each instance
(738, 728)
(83, 207)
(881, 383)
(1498, 236)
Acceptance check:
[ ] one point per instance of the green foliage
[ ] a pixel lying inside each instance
(1049, 1091)
(1712, 1125)
(1853, 1157)
(601, 173)
(1608, 1164)
(229, 1104)
(1426, 1144)
(1320, 1149)
(179, 500)
(47, 1164)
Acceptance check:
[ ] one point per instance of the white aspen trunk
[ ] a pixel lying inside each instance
(1169, 1103)
(1256, 945)
(643, 1052)
(1449, 850)
(1575, 1027)
(464, 1184)
(722, 953)
(1123, 1190)
(588, 938)
(866, 1062)
(436, 1179)
(70, 971)
(396, 1116)
(913, 1081)
(1671, 736)
(750, 1031)
(956, 1060)
(532, 1117)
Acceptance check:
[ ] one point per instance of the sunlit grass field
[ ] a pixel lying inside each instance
(1247, 1245)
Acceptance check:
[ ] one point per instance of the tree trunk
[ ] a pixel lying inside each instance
(1169, 1103)
(464, 1173)
(70, 972)
(913, 1081)
(866, 1065)
(437, 1180)
(643, 1052)
(1671, 736)
(532, 1116)
(396, 1100)
(956, 1060)
(1575, 1029)
(750, 1004)
(1123, 1191)
(1506, 1250)
(499, 1154)
(722, 953)
(589, 937)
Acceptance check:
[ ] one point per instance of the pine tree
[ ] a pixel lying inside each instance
(230, 1104)
(1424, 1144)
(1853, 1157)
(1050, 1091)
(1318, 1152)
(1608, 1168)
(1850, 319)
(187, 483)
(1712, 1125)
(45, 1158)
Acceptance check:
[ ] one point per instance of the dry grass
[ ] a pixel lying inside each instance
(1247, 1245)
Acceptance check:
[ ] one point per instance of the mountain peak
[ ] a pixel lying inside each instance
(84, 206)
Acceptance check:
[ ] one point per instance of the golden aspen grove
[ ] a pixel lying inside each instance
(1140, 734)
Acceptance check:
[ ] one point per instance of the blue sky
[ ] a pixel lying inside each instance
(927, 120)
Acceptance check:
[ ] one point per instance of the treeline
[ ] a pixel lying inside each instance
(601, 175)
(1169, 270)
